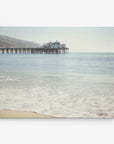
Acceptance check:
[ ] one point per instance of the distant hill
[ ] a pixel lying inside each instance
(9, 42)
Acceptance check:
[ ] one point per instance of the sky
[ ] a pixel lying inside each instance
(77, 39)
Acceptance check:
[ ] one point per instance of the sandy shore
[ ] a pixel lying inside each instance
(21, 114)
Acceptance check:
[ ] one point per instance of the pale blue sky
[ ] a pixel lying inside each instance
(78, 39)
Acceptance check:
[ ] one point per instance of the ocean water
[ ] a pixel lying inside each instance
(79, 85)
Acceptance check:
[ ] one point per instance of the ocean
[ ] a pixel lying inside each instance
(75, 85)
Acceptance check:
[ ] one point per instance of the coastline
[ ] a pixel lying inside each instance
(6, 113)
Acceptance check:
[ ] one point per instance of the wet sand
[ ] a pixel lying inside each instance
(21, 114)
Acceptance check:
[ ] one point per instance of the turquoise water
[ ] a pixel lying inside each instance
(65, 85)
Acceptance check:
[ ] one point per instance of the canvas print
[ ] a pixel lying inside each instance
(56, 72)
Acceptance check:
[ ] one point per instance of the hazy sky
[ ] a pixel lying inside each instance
(78, 39)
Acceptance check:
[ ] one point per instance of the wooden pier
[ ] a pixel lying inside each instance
(34, 50)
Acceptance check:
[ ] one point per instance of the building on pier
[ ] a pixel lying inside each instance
(49, 48)
(54, 45)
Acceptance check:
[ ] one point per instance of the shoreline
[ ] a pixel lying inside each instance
(6, 113)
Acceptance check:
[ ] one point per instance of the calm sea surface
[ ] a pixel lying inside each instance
(65, 85)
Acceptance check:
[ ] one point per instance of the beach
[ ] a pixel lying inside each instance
(21, 114)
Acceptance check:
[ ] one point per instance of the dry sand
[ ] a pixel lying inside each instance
(21, 114)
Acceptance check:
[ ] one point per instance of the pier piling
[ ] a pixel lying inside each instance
(34, 50)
